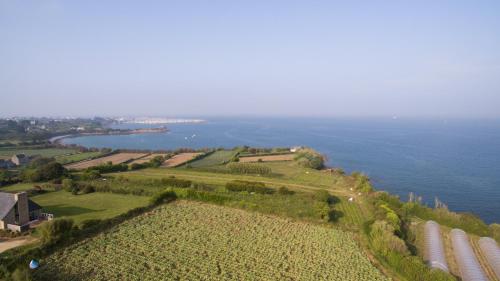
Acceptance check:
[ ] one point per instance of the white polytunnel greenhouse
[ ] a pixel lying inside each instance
(434, 246)
(470, 269)
(491, 251)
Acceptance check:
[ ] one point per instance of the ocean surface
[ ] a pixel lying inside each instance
(456, 160)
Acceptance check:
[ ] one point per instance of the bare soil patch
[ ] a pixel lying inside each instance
(180, 159)
(147, 158)
(267, 158)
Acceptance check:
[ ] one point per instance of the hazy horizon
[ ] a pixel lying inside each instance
(261, 58)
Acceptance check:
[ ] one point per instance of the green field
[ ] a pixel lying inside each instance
(66, 159)
(196, 241)
(88, 206)
(18, 187)
(44, 152)
(284, 174)
(217, 158)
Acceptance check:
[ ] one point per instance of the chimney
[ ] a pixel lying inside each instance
(22, 207)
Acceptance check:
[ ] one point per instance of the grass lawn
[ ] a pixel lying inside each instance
(45, 152)
(18, 187)
(88, 206)
(65, 159)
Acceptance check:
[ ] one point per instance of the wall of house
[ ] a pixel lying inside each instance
(10, 218)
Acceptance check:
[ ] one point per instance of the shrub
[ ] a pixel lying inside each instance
(175, 182)
(88, 188)
(68, 184)
(109, 168)
(91, 175)
(55, 231)
(21, 274)
(249, 186)
(285, 191)
(163, 197)
(309, 158)
(362, 182)
(137, 166)
(384, 241)
(495, 231)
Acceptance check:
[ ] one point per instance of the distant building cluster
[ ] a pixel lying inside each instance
(15, 161)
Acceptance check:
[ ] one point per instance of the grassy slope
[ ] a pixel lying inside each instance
(18, 187)
(185, 241)
(45, 152)
(288, 174)
(65, 159)
(88, 206)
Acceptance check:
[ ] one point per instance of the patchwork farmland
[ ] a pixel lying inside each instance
(180, 159)
(185, 240)
(117, 158)
(147, 158)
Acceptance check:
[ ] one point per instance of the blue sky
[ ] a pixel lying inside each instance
(202, 58)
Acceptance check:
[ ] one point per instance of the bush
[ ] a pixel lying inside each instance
(43, 172)
(175, 182)
(137, 166)
(362, 183)
(91, 175)
(309, 158)
(55, 231)
(68, 184)
(21, 274)
(384, 241)
(88, 188)
(247, 168)
(465, 221)
(109, 168)
(248, 186)
(163, 197)
(285, 191)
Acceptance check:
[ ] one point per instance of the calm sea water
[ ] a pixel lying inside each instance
(457, 161)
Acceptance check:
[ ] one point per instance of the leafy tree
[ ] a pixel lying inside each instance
(55, 231)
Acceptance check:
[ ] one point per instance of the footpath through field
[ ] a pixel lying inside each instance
(12, 243)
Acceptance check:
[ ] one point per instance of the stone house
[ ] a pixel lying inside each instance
(17, 211)
(6, 164)
(20, 159)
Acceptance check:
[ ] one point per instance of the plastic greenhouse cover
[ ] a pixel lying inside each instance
(434, 246)
(491, 251)
(470, 269)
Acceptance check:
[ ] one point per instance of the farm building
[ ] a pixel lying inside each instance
(6, 164)
(20, 159)
(17, 211)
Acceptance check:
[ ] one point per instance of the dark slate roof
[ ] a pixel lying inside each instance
(7, 201)
(32, 206)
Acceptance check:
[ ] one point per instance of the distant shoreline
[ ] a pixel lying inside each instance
(58, 139)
